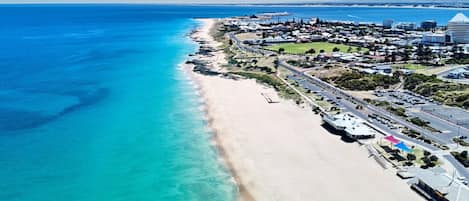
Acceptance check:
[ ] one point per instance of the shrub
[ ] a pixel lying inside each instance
(426, 153)
(397, 111)
(463, 154)
(419, 122)
(411, 157)
(461, 157)
(357, 81)
(311, 51)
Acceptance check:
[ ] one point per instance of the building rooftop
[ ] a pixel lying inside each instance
(460, 17)
(352, 124)
(453, 189)
(359, 128)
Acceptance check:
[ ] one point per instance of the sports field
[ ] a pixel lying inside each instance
(413, 66)
(301, 48)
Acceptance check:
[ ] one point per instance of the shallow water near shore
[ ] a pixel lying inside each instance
(94, 107)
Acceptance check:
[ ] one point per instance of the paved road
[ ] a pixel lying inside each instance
(442, 75)
(462, 171)
(378, 111)
(348, 106)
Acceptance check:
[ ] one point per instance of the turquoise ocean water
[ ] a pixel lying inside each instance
(93, 106)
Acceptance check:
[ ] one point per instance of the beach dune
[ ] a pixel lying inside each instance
(280, 151)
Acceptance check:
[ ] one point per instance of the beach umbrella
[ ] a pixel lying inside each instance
(391, 138)
(403, 147)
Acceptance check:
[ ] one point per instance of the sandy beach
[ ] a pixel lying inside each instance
(280, 151)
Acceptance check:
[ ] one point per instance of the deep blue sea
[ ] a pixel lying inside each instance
(94, 108)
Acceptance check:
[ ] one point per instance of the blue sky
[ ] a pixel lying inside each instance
(219, 1)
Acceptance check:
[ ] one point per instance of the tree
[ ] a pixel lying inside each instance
(463, 154)
(231, 42)
(434, 158)
(359, 49)
(393, 57)
(406, 54)
(311, 51)
(321, 51)
(424, 53)
(411, 157)
(426, 153)
(349, 49)
(281, 50)
(335, 49)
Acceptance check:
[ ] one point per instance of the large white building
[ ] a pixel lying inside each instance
(352, 126)
(433, 38)
(458, 28)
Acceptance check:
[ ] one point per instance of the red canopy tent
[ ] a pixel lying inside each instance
(391, 139)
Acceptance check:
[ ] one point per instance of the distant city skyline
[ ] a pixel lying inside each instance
(229, 1)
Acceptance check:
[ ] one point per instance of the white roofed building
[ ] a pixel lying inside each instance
(353, 126)
(458, 28)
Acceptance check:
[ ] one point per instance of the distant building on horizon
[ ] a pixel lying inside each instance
(428, 25)
(458, 28)
(408, 26)
(387, 23)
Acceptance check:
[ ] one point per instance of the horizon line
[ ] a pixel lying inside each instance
(238, 3)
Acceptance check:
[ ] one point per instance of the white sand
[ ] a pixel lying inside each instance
(281, 152)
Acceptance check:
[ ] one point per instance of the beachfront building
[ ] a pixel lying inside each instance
(458, 28)
(436, 184)
(352, 126)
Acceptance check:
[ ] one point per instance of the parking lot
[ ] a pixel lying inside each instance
(450, 121)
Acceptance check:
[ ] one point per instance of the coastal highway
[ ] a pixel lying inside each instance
(349, 106)
(248, 48)
(378, 111)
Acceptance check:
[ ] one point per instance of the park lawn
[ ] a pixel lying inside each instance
(413, 66)
(301, 48)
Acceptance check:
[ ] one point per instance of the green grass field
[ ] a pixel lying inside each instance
(412, 66)
(301, 48)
